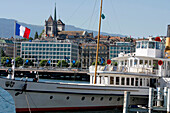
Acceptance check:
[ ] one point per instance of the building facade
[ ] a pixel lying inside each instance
(55, 51)
(88, 55)
(8, 47)
(60, 26)
(50, 27)
(118, 47)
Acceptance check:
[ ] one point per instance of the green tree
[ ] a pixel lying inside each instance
(30, 63)
(43, 63)
(64, 63)
(41, 33)
(95, 63)
(114, 63)
(77, 64)
(18, 61)
(2, 53)
(30, 38)
(4, 63)
(36, 35)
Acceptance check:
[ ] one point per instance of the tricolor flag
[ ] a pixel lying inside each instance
(22, 31)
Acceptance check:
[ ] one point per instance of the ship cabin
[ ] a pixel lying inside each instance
(144, 68)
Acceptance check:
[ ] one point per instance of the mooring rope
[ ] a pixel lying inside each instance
(27, 102)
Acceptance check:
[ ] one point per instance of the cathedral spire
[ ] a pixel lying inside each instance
(55, 13)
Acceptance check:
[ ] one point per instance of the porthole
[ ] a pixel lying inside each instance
(101, 98)
(51, 97)
(67, 97)
(110, 99)
(82, 98)
(92, 98)
(118, 99)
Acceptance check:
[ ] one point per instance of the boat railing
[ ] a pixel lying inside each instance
(138, 70)
(165, 73)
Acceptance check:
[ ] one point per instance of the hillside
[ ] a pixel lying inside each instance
(7, 29)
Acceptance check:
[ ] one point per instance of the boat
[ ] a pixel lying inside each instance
(135, 73)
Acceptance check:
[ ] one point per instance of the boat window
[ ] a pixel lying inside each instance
(155, 64)
(141, 62)
(132, 81)
(152, 45)
(144, 44)
(110, 99)
(144, 82)
(122, 63)
(125, 62)
(122, 81)
(146, 62)
(141, 82)
(92, 98)
(138, 45)
(158, 45)
(67, 97)
(117, 80)
(135, 62)
(130, 62)
(82, 98)
(111, 80)
(136, 82)
(101, 98)
(153, 82)
(127, 81)
(150, 62)
(147, 82)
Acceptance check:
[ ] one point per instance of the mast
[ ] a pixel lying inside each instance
(98, 39)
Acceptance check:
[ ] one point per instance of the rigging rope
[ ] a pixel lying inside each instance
(75, 10)
(90, 17)
(27, 102)
(114, 11)
(92, 14)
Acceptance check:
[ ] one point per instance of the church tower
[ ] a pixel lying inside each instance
(51, 26)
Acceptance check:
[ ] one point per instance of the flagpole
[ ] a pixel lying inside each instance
(14, 50)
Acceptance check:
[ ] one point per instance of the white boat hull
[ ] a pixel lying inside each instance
(55, 96)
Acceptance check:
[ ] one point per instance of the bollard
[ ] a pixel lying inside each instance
(165, 96)
(158, 96)
(168, 101)
(126, 101)
(151, 95)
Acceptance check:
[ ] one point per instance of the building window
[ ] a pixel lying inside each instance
(49, 28)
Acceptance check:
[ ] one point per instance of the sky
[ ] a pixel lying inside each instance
(135, 18)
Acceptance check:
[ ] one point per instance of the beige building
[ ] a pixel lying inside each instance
(88, 55)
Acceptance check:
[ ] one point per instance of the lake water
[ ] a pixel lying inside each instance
(7, 103)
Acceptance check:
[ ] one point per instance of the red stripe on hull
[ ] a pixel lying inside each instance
(66, 108)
